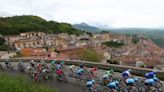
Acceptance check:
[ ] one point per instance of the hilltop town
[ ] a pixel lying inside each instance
(135, 50)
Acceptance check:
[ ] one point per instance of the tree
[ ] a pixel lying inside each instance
(3, 46)
(114, 44)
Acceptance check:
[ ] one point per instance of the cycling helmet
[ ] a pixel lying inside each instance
(130, 70)
(116, 82)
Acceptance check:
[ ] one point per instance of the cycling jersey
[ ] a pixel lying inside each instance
(113, 85)
(93, 70)
(150, 81)
(71, 67)
(150, 75)
(130, 81)
(105, 76)
(90, 83)
(110, 72)
(59, 72)
(126, 74)
(53, 62)
(80, 71)
(58, 66)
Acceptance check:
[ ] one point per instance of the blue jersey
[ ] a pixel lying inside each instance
(126, 74)
(80, 71)
(150, 75)
(89, 83)
(113, 85)
(130, 81)
(150, 81)
(59, 66)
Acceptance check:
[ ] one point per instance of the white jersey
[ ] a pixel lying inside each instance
(127, 72)
(71, 67)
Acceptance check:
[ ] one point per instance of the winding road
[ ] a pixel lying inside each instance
(72, 85)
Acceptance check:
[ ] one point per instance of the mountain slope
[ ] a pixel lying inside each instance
(156, 35)
(17, 24)
(86, 27)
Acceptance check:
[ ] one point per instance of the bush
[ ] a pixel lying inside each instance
(112, 62)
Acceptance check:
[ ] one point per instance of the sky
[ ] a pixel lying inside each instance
(111, 13)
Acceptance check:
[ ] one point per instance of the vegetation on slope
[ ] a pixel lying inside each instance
(113, 44)
(155, 35)
(18, 83)
(3, 46)
(17, 24)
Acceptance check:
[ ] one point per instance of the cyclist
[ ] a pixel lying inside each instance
(153, 82)
(7, 63)
(1, 67)
(45, 73)
(35, 76)
(21, 66)
(114, 85)
(43, 63)
(150, 75)
(71, 68)
(126, 74)
(81, 65)
(59, 73)
(80, 72)
(93, 71)
(90, 84)
(131, 81)
(58, 66)
(32, 64)
(150, 82)
(110, 72)
(53, 63)
(39, 68)
(105, 79)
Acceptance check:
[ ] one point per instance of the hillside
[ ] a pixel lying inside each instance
(17, 24)
(156, 35)
(86, 27)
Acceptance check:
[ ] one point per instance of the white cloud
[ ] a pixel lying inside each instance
(116, 13)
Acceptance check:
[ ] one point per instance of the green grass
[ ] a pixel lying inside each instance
(20, 83)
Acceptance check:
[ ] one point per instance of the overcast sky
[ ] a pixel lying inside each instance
(114, 13)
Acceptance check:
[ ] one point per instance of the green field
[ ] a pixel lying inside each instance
(20, 83)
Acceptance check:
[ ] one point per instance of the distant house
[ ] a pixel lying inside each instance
(29, 52)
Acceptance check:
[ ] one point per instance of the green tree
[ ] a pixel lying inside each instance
(114, 44)
(3, 46)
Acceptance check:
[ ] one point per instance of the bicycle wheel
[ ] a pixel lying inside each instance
(158, 84)
(133, 89)
(123, 87)
(142, 89)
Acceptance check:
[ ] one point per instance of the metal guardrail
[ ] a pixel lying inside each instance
(118, 68)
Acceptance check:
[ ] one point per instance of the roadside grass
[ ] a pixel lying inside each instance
(20, 83)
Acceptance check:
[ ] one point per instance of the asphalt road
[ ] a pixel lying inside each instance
(73, 85)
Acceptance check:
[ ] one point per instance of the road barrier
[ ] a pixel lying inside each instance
(118, 68)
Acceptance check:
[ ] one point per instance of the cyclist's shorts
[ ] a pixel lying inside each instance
(112, 87)
(79, 74)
